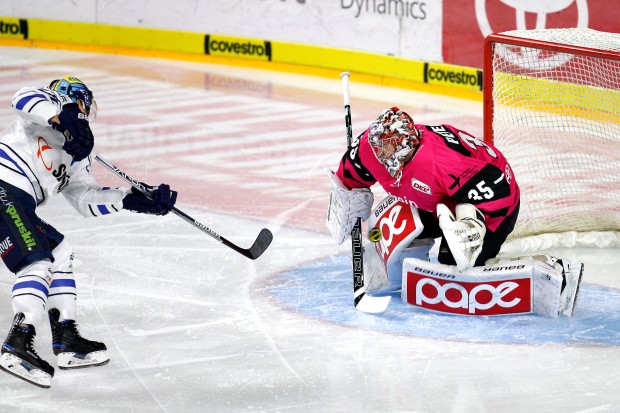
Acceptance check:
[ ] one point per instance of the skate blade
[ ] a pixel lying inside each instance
(22, 370)
(68, 361)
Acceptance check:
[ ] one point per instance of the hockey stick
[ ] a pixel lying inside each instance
(363, 302)
(256, 250)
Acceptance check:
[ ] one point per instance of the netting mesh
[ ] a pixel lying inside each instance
(556, 118)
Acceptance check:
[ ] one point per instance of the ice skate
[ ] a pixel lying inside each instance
(73, 350)
(19, 357)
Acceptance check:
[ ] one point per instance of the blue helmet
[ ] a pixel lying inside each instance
(76, 90)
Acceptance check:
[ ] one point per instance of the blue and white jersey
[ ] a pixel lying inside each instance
(32, 158)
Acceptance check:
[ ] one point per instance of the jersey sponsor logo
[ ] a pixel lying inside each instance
(508, 173)
(4, 198)
(44, 146)
(456, 181)
(6, 246)
(21, 228)
(421, 186)
(61, 176)
(469, 298)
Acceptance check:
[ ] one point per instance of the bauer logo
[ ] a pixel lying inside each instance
(442, 74)
(14, 28)
(469, 298)
(237, 47)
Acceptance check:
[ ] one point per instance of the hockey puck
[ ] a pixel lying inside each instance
(375, 235)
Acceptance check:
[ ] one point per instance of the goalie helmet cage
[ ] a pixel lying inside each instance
(552, 105)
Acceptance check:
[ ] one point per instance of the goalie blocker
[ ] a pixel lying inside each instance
(539, 284)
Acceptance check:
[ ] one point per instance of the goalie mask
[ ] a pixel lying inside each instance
(393, 137)
(76, 90)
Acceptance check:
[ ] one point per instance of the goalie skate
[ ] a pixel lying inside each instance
(573, 274)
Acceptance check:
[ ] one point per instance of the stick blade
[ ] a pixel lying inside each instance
(261, 244)
(372, 305)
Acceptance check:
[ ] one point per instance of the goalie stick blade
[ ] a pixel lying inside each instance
(256, 250)
(372, 305)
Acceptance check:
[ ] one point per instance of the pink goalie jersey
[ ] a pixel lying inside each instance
(449, 166)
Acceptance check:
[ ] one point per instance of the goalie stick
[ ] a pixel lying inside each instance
(256, 250)
(363, 302)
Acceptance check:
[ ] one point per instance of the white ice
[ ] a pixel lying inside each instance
(192, 326)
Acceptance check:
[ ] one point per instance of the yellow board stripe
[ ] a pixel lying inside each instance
(557, 97)
(290, 57)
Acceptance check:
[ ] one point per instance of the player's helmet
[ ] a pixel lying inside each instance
(393, 137)
(76, 90)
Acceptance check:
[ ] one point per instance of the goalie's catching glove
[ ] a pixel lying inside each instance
(79, 139)
(464, 235)
(345, 206)
(161, 200)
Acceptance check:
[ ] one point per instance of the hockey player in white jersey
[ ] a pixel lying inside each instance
(45, 152)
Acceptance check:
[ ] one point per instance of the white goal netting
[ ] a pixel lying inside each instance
(556, 116)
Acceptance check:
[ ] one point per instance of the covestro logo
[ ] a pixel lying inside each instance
(442, 74)
(237, 47)
(14, 28)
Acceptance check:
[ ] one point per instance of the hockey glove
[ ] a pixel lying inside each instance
(464, 235)
(345, 206)
(161, 202)
(79, 140)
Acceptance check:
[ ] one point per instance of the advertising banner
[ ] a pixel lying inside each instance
(467, 22)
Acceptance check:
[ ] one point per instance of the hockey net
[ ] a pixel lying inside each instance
(552, 106)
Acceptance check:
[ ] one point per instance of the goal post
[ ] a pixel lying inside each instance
(552, 106)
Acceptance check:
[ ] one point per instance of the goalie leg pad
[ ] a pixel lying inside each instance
(400, 224)
(541, 285)
(573, 273)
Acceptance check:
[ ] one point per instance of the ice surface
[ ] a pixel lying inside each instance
(192, 326)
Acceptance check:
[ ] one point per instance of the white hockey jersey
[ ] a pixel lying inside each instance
(32, 158)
